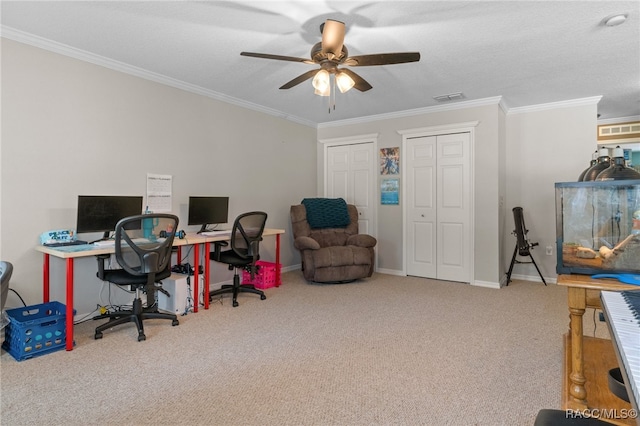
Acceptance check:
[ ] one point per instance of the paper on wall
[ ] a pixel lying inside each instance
(159, 193)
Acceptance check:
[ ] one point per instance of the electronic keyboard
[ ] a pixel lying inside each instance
(623, 318)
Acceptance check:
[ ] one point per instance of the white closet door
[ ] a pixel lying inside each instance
(350, 175)
(420, 161)
(438, 207)
(454, 210)
(338, 158)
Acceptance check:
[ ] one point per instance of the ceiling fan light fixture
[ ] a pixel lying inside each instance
(344, 82)
(321, 81)
(325, 92)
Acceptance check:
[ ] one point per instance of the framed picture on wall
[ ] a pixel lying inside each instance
(389, 192)
(390, 161)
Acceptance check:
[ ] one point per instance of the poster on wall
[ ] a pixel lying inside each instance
(389, 192)
(390, 161)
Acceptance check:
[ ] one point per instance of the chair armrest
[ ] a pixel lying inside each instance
(362, 240)
(216, 249)
(306, 243)
(101, 258)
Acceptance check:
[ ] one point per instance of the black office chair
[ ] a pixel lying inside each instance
(245, 252)
(144, 263)
(523, 245)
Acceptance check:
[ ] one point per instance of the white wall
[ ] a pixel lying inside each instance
(71, 127)
(544, 146)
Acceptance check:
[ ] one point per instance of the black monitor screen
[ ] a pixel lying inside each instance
(208, 211)
(100, 213)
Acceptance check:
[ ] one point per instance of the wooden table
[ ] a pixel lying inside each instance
(583, 292)
(71, 252)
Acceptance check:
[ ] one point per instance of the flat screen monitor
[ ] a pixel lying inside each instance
(100, 213)
(208, 211)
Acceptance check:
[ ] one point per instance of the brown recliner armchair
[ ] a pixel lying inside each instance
(332, 254)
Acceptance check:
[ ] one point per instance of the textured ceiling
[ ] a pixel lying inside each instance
(527, 52)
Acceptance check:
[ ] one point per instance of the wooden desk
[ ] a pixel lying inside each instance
(72, 252)
(583, 292)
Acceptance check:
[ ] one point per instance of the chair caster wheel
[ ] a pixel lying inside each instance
(175, 322)
(98, 336)
(263, 297)
(235, 304)
(141, 337)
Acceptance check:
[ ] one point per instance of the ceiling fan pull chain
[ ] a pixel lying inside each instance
(334, 92)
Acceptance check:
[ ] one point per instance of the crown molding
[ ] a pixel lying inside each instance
(413, 112)
(631, 119)
(593, 100)
(350, 139)
(439, 129)
(503, 106)
(66, 50)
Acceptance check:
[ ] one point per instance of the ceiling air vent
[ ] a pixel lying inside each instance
(619, 132)
(449, 97)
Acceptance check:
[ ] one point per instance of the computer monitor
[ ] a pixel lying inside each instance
(100, 213)
(208, 211)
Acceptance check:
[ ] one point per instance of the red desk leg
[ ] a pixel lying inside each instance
(69, 343)
(278, 266)
(207, 247)
(196, 261)
(45, 278)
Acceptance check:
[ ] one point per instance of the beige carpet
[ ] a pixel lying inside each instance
(387, 350)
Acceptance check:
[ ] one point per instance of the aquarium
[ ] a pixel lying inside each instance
(598, 227)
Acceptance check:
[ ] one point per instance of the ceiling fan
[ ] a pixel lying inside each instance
(331, 53)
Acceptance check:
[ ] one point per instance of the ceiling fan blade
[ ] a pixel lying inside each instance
(276, 57)
(361, 84)
(382, 59)
(332, 38)
(299, 79)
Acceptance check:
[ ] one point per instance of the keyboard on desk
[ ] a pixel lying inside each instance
(66, 243)
(112, 243)
(216, 233)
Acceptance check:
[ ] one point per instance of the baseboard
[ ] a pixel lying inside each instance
(391, 272)
(534, 278)
(292, 268)
(478, 283)
(486, 284)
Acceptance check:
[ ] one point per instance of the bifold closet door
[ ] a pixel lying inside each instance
(350, 171)
(438, 204)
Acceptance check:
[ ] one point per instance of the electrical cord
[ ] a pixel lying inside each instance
(87, 317)
(19, 297)
(186, 255)
(189, 302)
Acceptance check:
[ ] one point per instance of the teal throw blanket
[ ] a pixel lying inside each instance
(326, 212)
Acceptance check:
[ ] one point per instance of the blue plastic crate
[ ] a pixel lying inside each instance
(35, 330)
